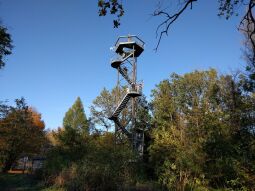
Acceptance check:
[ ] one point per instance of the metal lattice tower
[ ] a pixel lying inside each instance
(127, 49)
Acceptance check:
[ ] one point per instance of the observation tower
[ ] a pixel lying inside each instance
(128, 49)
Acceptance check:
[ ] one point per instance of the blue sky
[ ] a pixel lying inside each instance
(62, 49)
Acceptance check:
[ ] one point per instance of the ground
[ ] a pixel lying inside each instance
(21, 182)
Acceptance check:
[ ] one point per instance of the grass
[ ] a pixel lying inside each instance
(22, 182)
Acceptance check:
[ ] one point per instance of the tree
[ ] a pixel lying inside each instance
(5, 45)
(104, 104)
(114, 6)
(178, 107)
(105, 166)
(75, 118)
(87, 161)
(71, 141)
(36, 118)
(21, 133)
(204, 132)
(103, 107)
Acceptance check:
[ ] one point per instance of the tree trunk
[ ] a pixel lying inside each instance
(8, 162)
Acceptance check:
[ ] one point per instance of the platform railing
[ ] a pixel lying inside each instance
(138, 88)
(130, 38)
(121, 58)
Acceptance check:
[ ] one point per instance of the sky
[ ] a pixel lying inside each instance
(62, 50)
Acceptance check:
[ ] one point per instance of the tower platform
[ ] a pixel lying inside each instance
(128, 44)
(123, 47)
(116, 63)
(134, 93)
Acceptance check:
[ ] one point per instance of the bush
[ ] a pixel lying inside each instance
(105, 166)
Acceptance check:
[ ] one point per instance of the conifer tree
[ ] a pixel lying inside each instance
(75, 118)
(72, 139)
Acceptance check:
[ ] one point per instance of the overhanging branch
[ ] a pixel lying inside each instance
(170, 19)
(247, 25)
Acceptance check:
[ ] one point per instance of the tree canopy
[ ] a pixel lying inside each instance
(204, 132)
(21, 133)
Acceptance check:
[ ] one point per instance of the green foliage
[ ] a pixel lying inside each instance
(75, 118)
(5, 45)
(71, 141)
(23, 182)
(104, 165)
(68, 141)
(204, 135)
(71, 147)
(114, 6)
(143, 120)
(202, 138)
(81, 161)
(228, 8)
(103, 106)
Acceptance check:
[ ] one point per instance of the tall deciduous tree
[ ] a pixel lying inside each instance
(104, 105)
(204, 132)
(21, 133)
(102, 108)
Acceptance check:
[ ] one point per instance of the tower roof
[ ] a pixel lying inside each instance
(129, 43)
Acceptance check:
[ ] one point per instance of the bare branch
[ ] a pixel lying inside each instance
(247, 25)
(170, 19)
